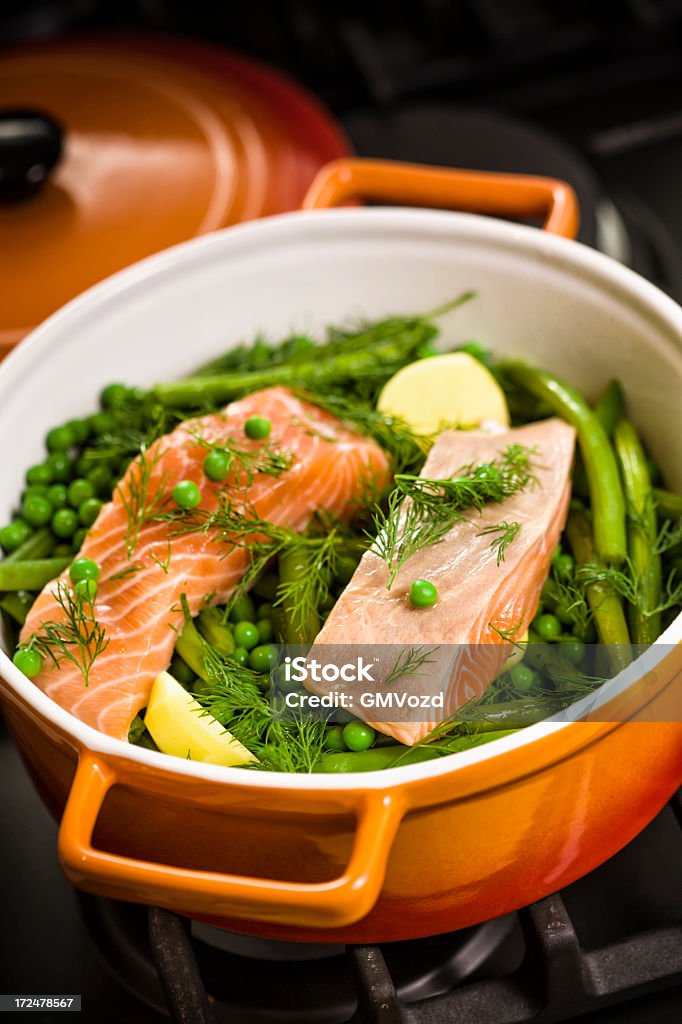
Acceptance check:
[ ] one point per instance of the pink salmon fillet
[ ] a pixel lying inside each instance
(140, 611)
(481, 605)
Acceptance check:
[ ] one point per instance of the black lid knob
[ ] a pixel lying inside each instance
(30, 147)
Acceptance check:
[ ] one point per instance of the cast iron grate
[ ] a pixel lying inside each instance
(558, 979)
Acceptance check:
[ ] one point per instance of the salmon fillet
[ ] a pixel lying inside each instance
(480, 603)
(140, 612)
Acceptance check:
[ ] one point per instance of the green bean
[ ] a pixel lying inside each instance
(645, 622)
(398, 755)
(606, 606)
(17, 604)
(301, 625)
(668, 505)
(30, 575)
(608, 410)
(376, 362)
(610, 406)
(190, 647)
(515, 714)
(215, 631)
(606, 493)
(39, 545)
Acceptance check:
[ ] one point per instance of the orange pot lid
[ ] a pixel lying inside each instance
(163, 140)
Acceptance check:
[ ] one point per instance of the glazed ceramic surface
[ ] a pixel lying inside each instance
(414, 850)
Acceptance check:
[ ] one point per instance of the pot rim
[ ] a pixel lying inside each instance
(527, 242)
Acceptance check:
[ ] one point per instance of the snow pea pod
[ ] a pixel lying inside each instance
(30, 575)
(606, 493)
(398, 755)
(645, 622)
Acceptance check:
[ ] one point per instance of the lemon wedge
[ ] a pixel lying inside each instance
(179, 726)
(448, 390)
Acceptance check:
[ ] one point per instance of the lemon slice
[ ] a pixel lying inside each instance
(448, 390)
(179, 726)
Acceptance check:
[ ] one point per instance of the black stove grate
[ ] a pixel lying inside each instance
(558, 978)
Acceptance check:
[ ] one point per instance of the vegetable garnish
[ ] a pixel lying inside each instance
(186, 494)
(141, 500)
(421, 510)
(503, 534)
(363, 359)
(423, 594)
(78, 638)
(257, 428)
(229, 457)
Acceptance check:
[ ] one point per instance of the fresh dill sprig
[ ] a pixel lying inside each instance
(267, 459)
(143, 502)
(406, 449)
(234, 696)
(503, 535)
(163, 563)
(422, 510)
(627, 584)
(669, 536)
(79, 638)
(409, 661)
(129, 570)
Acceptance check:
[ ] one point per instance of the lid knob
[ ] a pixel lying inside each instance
(30, 146)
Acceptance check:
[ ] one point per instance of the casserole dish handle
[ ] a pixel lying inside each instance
(497, 195)
(331, 904)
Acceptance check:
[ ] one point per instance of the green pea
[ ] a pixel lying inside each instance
(257, 428)
(358, 736)
(186, 494)
(101, 480)
(57, 496)
(522, 677)
(88, 511)
(41, 474)
(245, 635)
(61, 465)
(86, 590)
(113, 395)
(79, 538)
(563, 563)
(28, 661)
(574, 650)
(84, 569)
(243, 609)
(423, 594)
(80, 430)
(60, 439)
(37, 511)
(14, 535)
(259, 658)
(547, 627)
(102, 423)
(64, 523)
(265, 611)
(333, 738)
(217, 466)
(240, 655)
(79, 491)
(265, 630)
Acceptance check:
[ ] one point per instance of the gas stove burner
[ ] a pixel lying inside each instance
(304, 981)
(451, 136)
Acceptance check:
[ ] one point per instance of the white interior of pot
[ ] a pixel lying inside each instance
(555, 303)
